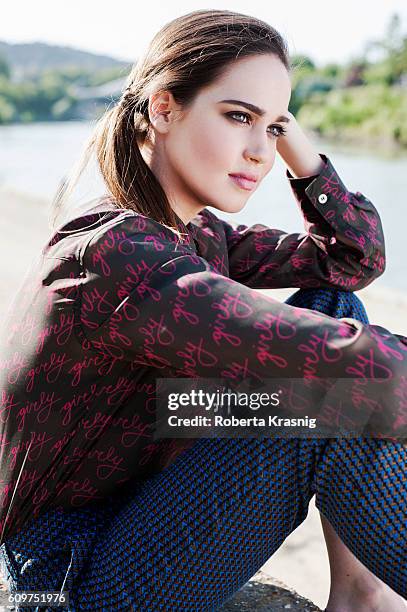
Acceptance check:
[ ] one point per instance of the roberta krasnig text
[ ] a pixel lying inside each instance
(221, 421)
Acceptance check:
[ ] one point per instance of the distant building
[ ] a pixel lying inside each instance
(92, 101)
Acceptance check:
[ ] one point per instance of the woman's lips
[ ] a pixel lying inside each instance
(244, 183)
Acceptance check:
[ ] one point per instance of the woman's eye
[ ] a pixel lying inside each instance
(276, 130)
(280, 131)
(233, 115)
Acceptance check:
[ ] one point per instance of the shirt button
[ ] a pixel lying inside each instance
(322, 198)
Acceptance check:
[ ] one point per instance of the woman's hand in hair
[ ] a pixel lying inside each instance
(297, 151)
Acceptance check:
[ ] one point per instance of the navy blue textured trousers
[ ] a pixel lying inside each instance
(191, 536)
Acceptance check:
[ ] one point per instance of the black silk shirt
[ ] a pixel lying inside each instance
(116, 299)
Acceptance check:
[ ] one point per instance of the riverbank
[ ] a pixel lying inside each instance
(355, 143)
(373, 114)
(302, 561)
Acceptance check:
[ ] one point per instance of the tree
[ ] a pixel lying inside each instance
(4, 67)
(302, 62)
(355, 74)
(389, 55)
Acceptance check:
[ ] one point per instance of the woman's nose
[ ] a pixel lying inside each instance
(260, 152)
(260, 155)
(256, 158)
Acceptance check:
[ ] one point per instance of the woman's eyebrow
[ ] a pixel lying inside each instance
(254, 109)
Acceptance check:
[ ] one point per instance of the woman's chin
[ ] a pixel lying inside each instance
(230, 207)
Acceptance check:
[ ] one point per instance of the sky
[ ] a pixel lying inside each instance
(327, 31)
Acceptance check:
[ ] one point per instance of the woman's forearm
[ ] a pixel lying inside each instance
(297, 151)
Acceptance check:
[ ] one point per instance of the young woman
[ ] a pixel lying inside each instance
(147, 283)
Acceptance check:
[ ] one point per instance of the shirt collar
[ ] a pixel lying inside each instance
(189, 229)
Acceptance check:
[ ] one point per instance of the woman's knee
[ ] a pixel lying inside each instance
(334, 302)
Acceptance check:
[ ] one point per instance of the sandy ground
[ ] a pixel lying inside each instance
(301, 562)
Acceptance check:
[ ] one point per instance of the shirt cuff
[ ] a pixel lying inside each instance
(321, 189)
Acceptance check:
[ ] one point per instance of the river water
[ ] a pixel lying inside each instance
(34, 158)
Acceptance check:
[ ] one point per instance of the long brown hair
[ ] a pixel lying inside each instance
(186, 55)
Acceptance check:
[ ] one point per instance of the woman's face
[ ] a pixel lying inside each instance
(194, 151)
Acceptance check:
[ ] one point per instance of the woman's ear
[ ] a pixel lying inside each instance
(162, 110)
